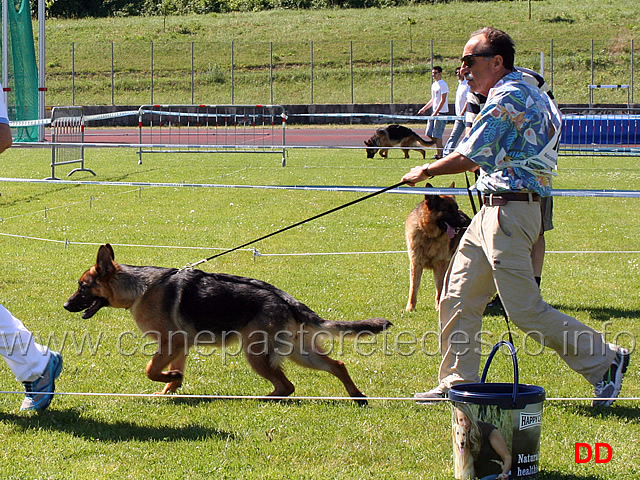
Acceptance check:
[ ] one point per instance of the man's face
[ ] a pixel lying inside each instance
(479, 70)
(436, 75)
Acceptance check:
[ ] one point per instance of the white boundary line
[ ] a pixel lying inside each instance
(265, 397)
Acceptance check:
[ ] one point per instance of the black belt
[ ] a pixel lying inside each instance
(498, 199)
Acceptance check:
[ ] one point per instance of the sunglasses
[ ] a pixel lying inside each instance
(470, 59)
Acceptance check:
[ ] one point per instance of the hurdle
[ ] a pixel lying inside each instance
(212, 129)
(592, 88)
(67, 126)
(600, 132)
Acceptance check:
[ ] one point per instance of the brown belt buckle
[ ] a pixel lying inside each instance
(495, 200)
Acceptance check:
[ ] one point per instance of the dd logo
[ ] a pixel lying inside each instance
(595, 453)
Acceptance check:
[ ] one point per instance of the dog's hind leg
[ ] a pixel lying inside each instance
(316, 358)
(269, 366)
(439, 272)
(415, 274)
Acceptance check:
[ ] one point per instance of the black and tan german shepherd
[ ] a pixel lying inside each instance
(432, 231)
(181, 307)
(395, 135)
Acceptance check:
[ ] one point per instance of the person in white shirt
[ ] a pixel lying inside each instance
(439, 104)
(461, 107)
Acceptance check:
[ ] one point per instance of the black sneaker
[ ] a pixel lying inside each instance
(609, 387)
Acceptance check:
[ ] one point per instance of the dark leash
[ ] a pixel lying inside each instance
(473, 207)
(297, 224)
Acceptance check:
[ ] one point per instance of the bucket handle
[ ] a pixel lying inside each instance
(512, 350)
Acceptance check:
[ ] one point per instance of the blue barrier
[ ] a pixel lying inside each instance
(600, 130)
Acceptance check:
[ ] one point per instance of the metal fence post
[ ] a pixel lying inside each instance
(113, 100)
(351, 67)
(551, 63)
(152, 73)
(592, 81)
(73, 73)
(233, 72)
(391, 70)
(431, 54)
(311, 59)
(193, 81)
(631, 71)
(271, 69)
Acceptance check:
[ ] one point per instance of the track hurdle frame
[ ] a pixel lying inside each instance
(212, 129)
(611, 87)
(67, 126)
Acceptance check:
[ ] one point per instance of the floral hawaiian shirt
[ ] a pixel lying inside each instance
(515, 125)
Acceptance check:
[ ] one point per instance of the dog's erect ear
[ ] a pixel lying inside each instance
(453, 185)
(105, 259)
(110, 248)
(428, 185)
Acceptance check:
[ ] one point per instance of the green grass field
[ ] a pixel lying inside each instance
(104, 437)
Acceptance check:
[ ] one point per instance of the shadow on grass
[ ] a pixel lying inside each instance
(602, 314)
(70, 421)
(617, 412)
(68, 186)
(553, 475)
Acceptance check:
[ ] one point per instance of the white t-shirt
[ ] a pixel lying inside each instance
(438, 89)
(461, 97)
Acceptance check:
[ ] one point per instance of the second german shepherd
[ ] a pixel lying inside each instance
(182, 307)
(432, 231)
(395, 135)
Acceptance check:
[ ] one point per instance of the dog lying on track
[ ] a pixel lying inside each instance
(432, 232)
(178, 307)
(395, 135)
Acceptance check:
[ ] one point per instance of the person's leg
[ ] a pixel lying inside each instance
(468, 286)
(537, 257)
(454, 138)
(539, 248)
(34, 365)
(581, 347)
(26, 359)
(438, 132)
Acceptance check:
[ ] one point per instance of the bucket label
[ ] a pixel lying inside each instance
(489, 441)
(529, 420)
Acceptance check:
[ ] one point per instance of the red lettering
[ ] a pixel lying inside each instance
(609, 452)
(577, 448)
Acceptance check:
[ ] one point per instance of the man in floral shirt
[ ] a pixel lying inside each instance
(511, 141)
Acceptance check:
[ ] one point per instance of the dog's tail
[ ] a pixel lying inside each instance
(370, 325)
(423, 142)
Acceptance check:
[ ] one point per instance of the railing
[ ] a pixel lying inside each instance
(212, 129)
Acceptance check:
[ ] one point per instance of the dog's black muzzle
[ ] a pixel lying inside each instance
(90, 304)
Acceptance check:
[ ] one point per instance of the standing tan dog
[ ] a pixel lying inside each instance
(395, 135)
(432, 231)
(180, 308)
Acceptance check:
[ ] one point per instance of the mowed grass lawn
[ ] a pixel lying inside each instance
(82, 437)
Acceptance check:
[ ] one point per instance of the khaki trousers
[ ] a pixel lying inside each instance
(495, 254)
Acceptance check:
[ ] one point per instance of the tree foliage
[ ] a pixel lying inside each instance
(107, 8)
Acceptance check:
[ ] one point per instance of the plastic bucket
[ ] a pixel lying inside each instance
(496, 426)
